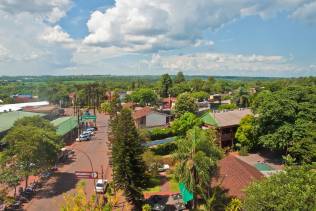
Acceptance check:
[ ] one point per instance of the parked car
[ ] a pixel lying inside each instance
(91, 129)
(164, 167)
(84, 137)
(2, 206)
(100, 186)
(88, 132)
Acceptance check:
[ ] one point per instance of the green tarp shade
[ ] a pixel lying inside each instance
(186, 194)
(209, 119)
(86, 117)
(64, 125)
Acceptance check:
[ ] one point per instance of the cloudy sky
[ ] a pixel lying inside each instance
(198, 37)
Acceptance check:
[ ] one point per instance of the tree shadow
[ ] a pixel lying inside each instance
(272, 157)
(59, 184)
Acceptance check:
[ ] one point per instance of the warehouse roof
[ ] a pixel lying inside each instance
(7, 119)
(19, 106)
(64, 125)
(225, 118)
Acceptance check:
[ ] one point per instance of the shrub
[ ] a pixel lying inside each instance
(165, 149)
(243, 151)
(160, 133)
(144, 135)
(227, 107)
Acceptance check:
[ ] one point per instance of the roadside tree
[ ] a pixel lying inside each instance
(128, 165)
(32, 149)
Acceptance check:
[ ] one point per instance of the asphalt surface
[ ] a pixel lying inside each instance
(64, 181)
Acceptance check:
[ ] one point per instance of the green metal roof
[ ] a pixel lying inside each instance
(64, 125)
(186, 194)
(7, 119)
(209, 119)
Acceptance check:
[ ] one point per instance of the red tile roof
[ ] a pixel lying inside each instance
(235, 175)
(168, 99)
(141, 112)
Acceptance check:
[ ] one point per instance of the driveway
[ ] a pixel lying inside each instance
(64, 180)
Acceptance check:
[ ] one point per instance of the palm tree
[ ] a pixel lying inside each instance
(196, 155)
(242, 97)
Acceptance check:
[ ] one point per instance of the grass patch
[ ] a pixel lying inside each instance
(154, 185)
(173, 184)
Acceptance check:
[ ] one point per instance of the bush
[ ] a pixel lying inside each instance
(243, 151)
(227, 107)
(144, 135)
(165, 149)
(160, 133)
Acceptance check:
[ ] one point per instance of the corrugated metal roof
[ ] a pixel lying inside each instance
(19, 106)
(225, 118)
(64, 125)
(7, 119)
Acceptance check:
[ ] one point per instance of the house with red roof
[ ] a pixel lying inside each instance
(146, 117)
(235, 176)
(168, 103)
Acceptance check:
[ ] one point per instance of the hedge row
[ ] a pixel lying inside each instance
(161, 133)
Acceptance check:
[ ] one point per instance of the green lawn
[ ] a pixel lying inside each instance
(173, 184)
(154, 185)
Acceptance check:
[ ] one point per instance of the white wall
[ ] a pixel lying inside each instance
(155, 119)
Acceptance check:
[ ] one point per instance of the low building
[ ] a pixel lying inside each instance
(52, 111)
(217, 100)
(7, 119)
(226, 122)
(66, 127)
(235, 175)
(147, 118)
(168, 103)
(22, 98)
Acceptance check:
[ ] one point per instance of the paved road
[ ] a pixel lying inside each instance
(64, 181)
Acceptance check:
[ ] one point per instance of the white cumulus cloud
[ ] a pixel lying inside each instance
(50, 10)
(55, 34)
(150, 25)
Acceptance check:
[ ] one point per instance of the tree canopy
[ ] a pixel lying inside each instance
(185, 103)
(33, 147)
(287, 121)
(179, 78)
(165, 85)
(185, 122)
(293, 189)
(144, 96)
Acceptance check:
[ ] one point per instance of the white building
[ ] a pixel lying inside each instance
(146, 117)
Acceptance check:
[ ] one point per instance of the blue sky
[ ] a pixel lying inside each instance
(123, 37)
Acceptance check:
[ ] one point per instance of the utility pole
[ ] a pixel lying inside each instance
(102, 172)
